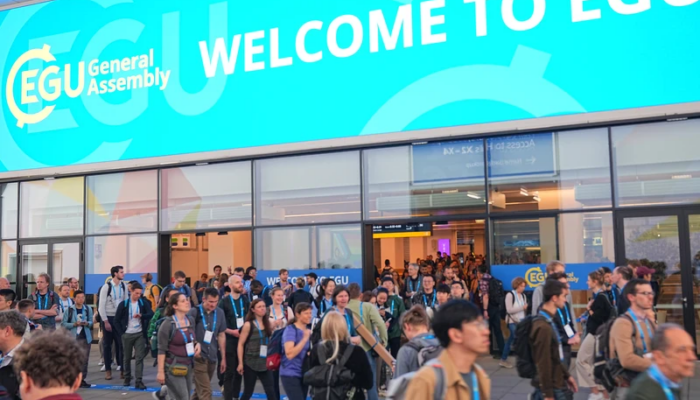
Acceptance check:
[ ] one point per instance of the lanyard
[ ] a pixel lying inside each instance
(518, 299)
(475, 386)
(46, 300)
(551, 323)
(64, 305)
(182, 331)
(347, 319)
(656, 375)
(121, 290)
(410, 285)
(639, 328)
(240, 304)
(131, 309)
(561, 316)
(425, 300)
(392, 307)
(204, 319)
(262, 341)
(274, 313)
(327, 303)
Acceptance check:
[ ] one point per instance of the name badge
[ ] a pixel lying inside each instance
(569, 332)
(263, 351)
(190, 349)
(255, 297)
(239, 323)
(207, 336)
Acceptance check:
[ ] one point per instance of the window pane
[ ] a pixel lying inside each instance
(8, 213)
(422, 180)
(586, 238)
(657, 163)
(66, 262)
(125, 202)
(138, 254)
(52, 207)
(330, 251)
(303, 189)
(208, 196)
(524, 241)
(8, 263)
(549, 171)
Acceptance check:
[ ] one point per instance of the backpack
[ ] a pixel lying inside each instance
(607, 369)
(427, 355)
(399, 387)
(160, 290)
(274, 351)
(497, 296)
(331, 381)
(154, 338)
(523, 349)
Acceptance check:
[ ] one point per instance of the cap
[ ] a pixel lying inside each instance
(641, 271)
(312, 275)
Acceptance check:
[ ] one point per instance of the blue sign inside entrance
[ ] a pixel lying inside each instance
(462, 160)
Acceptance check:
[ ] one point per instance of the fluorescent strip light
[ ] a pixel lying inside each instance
(473, 195)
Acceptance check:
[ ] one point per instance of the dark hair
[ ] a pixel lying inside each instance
(147, 276)
(163, 302)
(14, 320)
(25, 305)
(51, 359)
(382, 290)
(367, 296)
(179, 274)
(77, 292)
(338, 290)
(631, 287)
(204, 275)
(211, 292)
(239, 269)
(483, 269)
(555, 276)
(115, 269)
(552, 288)
(170, 307)
(659, 342)
(298, 309)
(217, 266)
(354, 291)
(135, 285)
(282, 271)
(626, 272)
(598, 276)
(388, 279)
(442, 288)
(634, 263)
(460, 283)
(251, 317)
(8, 294)
(606, 270)
(429, 276)
(452, 315)
(255, 284)
(387, 262)
(250, 269)
(223, 279)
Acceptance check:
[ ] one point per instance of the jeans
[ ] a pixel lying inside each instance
(85, 345)
(372, 394)
(558, 394)
(511, 339)
(495, 327)
(107, 339)
(134, 341)
(179, 387)
(249, 378)
(294, 388)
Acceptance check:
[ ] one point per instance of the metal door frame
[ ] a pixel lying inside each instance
(22, 282)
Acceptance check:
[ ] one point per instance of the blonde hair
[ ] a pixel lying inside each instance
(334, 328)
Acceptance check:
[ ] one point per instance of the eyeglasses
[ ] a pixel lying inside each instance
(646, 293)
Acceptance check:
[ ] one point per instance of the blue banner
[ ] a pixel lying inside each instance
(340, 276)
(535, 274)
(87, 81)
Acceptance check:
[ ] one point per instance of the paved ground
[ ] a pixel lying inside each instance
(506, 385)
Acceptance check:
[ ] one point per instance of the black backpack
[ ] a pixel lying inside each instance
(607, 369)
(331, 381)
(523, 349)
(497, 296)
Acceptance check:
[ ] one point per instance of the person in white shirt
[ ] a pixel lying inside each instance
(111, 294)
(312, 282)
(516, 305)
(64, 301)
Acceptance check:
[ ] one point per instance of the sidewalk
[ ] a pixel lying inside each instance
(505, 383)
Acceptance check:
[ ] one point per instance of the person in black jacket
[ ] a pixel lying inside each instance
(131, 322)
(300, 295)
(336, 340)
(8, 344)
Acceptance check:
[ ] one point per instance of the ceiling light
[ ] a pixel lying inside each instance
(524, 192)
(473, 195)
(681, 176)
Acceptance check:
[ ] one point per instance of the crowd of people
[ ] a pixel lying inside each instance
(435, 318)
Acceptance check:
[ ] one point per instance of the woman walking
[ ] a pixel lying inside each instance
(252, 351)
(278, 321)
(599, 311)
(516, 304)
(325, 300)
(333, 348)
(296, 347)
(177, 348)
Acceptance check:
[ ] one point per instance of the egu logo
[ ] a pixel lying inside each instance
(534, 277)
(27, 85)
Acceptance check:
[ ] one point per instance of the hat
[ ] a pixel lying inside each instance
(312, 275)
(641, 271)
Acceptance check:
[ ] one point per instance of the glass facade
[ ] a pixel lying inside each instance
(8, 210)
(50, 208)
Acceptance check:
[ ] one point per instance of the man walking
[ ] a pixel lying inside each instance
(210, 331)
(111, 295)
(78, 321)
(620, 277)
(235, 307)
(131, 319)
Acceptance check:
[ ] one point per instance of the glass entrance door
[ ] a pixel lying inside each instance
(665, 242)
(60, 258)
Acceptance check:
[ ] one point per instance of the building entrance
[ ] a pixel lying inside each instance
(60, 258)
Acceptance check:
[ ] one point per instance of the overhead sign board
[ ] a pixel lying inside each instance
(417, 229)
(87, 81)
